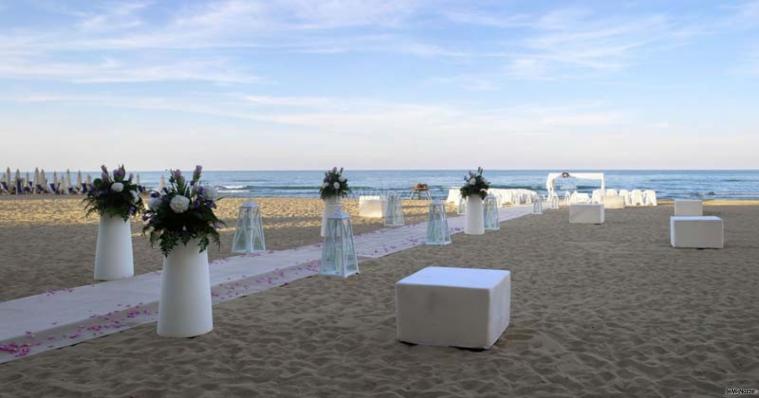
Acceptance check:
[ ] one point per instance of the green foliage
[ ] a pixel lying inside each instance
(334, 184)
(169, 226)
(106, 199)
(475, 184)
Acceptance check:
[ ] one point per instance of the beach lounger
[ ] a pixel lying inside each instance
(636, 197)
(649, 197)
(625, 195)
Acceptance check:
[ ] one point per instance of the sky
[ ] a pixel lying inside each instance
(379, 84)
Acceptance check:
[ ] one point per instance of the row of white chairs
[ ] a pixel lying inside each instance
(632, 198)
(505, 197)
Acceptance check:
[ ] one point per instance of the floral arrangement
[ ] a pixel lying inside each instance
(476, 184)
(181, 212)
(113, 195)
(334, 184)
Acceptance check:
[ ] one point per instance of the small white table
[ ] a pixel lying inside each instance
(689, 207)
(459, 307)
(704, 232)
(586, 214)
(614, 202)
(370, 207)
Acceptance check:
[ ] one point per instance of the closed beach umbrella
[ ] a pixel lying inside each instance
(66, 182)
(162, 183)
(89, 179)
(18, 182)
(43, 181)
(36, 179)
(79, 181)
(27, 180)
(55, 182)
(8, 177)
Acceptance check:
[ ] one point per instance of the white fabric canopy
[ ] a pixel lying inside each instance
(552, 177)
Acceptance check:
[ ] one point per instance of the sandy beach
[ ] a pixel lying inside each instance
(49, 244)
(608, 310)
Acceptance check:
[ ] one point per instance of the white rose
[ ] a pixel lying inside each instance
(117, 187)
(336, 185)
(472, 181)
(179, 204)
(342, 179)
(154, 203)
(325, 185)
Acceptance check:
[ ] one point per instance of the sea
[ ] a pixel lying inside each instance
(668, 184)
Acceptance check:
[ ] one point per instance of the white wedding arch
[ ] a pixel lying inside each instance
(553, 177)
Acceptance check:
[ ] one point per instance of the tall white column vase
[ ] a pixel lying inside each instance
(113, 253)
(331, 205)
(475, 216)
(185, 306)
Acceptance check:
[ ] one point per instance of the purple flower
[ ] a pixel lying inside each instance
(196, 173)
(104, 173)
(119, 173)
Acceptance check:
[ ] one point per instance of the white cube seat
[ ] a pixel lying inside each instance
(689, 207)
(586, 213)
(704, 232)
(370, 207)
(458, 307)
(614, 202)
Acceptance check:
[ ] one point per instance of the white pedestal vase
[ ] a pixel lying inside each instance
(475, 216)
(185, 306)
(331, 205)
(113, 253)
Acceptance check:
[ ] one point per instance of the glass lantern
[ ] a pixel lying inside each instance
(461, 209)
(393, 211)
(491, 213)
(537, 206)
(338, 251)
(437, 224)
(249, 234)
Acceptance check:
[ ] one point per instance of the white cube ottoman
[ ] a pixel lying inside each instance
(459, 307)
(614, 202)
(689, 207)
(370, 206)
(705, 232)
(586, 214)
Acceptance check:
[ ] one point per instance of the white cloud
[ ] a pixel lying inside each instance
(116, 16)
(125, 71)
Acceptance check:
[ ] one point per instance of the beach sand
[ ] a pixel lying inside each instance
(606, 311)
(48, 244)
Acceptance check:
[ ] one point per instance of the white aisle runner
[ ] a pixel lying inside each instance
(35, 324)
